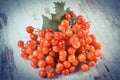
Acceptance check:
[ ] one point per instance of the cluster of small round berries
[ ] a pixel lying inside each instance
(62, 51)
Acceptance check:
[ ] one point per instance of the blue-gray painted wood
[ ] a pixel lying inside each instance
(15, 15)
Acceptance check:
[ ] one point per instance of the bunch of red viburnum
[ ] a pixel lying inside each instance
(60, 49)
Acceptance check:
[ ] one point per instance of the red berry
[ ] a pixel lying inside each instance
(91, 63)
(67, 16)
(34, 64)
(97, 45)
(86, 25)
(42, 73)
(65, 72)
(49, 60)
(93, 37)
(41, 63)
(48, 67)
(61, 43)
(57, 35)
(62, 53)
(59, 66)
(34, 59)
(23, 49)
(55, 48)
(72, 68)
(64, 23)
(31, 43)
(80, 19)
(88, 40)
(48, 29)
(45, 50)
(82, 33)
(20, 44)
(75, 62)
(46, 43)
(76, 27)
(48, 35)
(71, 58)
(62, 58)
(61, 28)
(39, 48)
(71, 13)
(33, 36)
(82, 42)
(67, 64)
(68, 33)
(98, 53)
(50, 75)
(82, 58)
(54, 42)
(24, 55)
(71, 50)
(40, 56)
(84, 67)
(41, 33)
(29, 29)
(52, 53)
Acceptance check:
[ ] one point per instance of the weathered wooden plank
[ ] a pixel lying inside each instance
(104, 16)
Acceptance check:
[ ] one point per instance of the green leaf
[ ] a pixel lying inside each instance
(68, 10)
(59, 9)
(49, 23)
(56, 17)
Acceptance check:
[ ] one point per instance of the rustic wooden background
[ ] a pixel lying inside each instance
(15, 15)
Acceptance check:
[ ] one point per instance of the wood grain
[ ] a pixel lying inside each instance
(15, 15)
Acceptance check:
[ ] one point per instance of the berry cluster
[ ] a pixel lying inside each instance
(62, 51)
